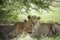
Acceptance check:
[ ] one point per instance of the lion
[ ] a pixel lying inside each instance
(35, 22)
(45, 29)
(12, 31)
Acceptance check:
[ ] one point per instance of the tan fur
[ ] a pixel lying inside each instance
(56, 29)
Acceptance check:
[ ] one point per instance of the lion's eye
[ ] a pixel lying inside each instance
(21, 27)
(30, 32)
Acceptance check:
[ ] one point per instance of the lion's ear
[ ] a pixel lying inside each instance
(25, 20)
(39, 18)
(29, 17)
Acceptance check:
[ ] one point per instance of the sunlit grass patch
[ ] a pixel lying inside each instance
(29, 38)
(47, 38)
(57, 38)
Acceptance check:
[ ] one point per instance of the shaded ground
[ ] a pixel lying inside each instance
(29, 38)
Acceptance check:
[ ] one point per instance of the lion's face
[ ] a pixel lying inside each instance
(33, 19)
